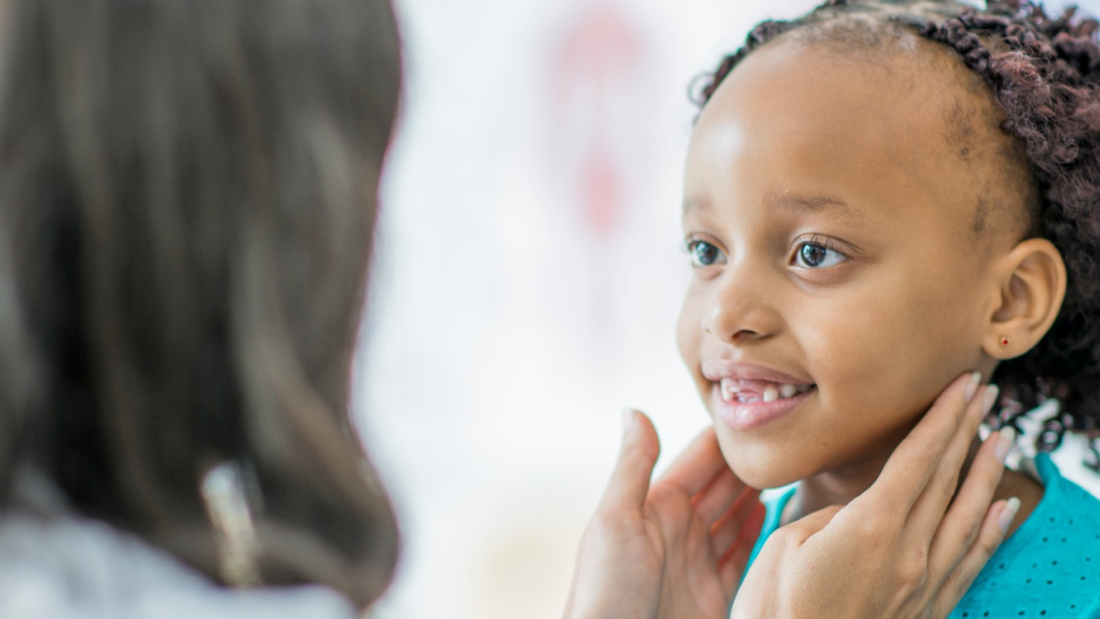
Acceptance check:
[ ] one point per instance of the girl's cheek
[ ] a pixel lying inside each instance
(692, 342)
(689, 330)
(840, 349)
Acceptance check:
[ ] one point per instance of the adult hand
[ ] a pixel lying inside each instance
(677, 548)
(908, 546)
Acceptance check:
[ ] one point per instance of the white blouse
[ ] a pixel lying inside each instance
(68, 567)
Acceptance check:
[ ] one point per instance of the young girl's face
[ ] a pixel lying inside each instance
(843, 269)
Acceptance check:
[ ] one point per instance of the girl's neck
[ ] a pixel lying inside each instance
(840, 485)
(836, 486)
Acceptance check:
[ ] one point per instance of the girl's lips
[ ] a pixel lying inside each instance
(748, 415)
(717, 369)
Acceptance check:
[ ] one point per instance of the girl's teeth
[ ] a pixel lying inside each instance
(771, 394)
(729, 389)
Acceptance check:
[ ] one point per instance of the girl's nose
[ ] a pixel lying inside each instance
(738, 310)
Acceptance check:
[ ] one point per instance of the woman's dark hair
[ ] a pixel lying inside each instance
(1045, 74)
(187, 197)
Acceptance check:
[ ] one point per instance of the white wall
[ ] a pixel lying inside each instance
(528, 274)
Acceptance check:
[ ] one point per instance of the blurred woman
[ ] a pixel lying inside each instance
(187, 195)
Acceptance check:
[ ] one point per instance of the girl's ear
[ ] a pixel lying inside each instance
(1031, 293)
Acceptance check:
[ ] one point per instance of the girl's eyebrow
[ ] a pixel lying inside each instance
(693, 204)
(813, 204)
(805, 203)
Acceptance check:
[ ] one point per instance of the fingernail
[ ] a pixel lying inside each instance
(628, 420)
(1008, 514)
(991, 393)
(1006, 438)
(972, 386)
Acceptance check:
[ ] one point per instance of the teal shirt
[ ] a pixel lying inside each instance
(1050, 567)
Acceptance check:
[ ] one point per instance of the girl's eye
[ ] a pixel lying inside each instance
(704, 254)
(816, 256)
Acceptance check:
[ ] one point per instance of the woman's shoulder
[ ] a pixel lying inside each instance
(66, 566)
(1051, 565)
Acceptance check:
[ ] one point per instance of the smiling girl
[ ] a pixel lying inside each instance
(859, 227)
(879, 197)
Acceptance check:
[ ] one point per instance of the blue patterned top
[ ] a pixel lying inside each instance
(1050, 567)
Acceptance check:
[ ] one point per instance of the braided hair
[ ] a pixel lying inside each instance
(1044, 71)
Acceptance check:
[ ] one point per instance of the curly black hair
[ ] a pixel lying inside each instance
(1044, 72)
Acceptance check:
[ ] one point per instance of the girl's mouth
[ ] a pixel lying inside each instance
(748, 391)
(746, 404)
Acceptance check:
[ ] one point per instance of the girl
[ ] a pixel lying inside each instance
(878, 197)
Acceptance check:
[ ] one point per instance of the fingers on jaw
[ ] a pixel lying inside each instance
(699, 464)
(810, 524)
(734, 557)
(906, 475)
(992, 533)
(714, 500)
(639, 436)
(987, 468)
(940, 498)
(952, 402)
(961, 528)
(980, 406)
(953, 458)
(629, 481)
(743, 517)
(963, 412)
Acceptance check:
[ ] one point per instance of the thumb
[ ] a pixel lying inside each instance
(629, 483)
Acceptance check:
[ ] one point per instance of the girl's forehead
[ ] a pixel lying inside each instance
(818, 87)
(907, 121)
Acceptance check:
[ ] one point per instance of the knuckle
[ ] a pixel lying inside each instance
(945, 423)
(953, 589)
(987, 546)
(673, 504)
(944, 480)
(969, 534)
(960, 582)
(784, 538)
(665, 495)
(603, 521)
(874, 530)
(951, 480)
(912, 571)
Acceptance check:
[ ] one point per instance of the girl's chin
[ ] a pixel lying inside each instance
(764, 468)
(762, 479)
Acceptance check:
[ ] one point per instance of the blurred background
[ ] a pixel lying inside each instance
(528, 275)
